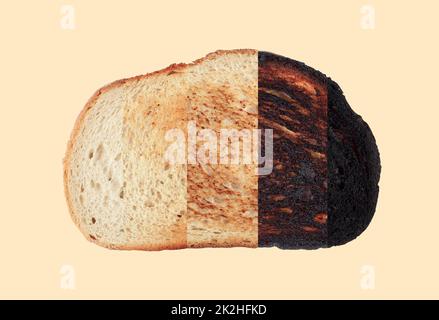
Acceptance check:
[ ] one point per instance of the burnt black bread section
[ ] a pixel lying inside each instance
(292, 200)
(354, 170)
(330, 213)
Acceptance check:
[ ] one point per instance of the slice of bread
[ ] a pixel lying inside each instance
(124, 192)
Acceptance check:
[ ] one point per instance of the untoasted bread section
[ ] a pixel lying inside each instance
(93, 169)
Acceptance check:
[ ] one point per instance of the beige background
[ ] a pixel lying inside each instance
(389, 76)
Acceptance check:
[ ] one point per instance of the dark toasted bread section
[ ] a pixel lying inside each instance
(324, 187)
(293, 198)
(354, 170)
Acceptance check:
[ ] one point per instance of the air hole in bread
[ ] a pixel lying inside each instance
(118, 157)
(210, 199)
(121, 194)
(93, 220)
(99, 152)
(81, 199)
(92, 237)
(149, 204)
(90, 154)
